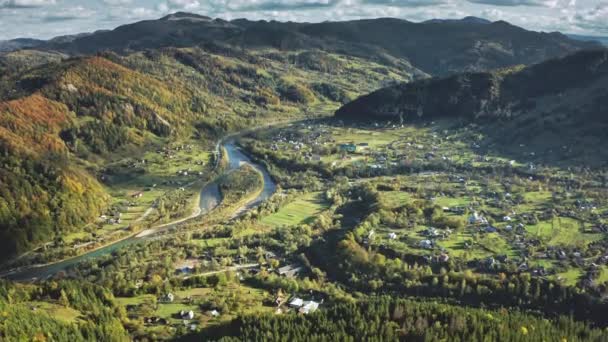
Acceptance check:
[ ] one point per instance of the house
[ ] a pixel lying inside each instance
(363, 146)
(290, 271)
(168, 298)
(187, 266)
(392, 236)
(137, 194)
(489, 262)
(431, 232)
(443, 258)
(308, 307)
(187, 314)
(350, 148)
(491, 229)
(507, 218)
(426, 244)
(539, 271)
(296, 302)
(214, 313)
(185, 270)
(477, 219)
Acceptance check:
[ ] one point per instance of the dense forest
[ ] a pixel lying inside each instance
(390, 319)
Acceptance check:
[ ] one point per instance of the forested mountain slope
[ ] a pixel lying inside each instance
(62, 121)
(59, 115)
(560, 101)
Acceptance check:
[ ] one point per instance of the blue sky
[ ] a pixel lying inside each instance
(49, 18)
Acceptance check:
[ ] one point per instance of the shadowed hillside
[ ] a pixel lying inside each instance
(559, 100)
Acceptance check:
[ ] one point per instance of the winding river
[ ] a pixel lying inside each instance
(210, 198)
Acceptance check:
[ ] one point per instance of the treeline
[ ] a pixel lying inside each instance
(238, 183)
(20, 321)
(390, 319)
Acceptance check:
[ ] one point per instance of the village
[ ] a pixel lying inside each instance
(498, 210)
(210, 302)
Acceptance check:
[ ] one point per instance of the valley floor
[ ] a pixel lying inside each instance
(432, 211)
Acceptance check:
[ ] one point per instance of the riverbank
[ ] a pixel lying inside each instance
(232, 157)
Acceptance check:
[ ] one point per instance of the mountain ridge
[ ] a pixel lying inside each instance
(437, 47)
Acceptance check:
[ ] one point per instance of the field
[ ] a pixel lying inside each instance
(60, 312)
(301, 211)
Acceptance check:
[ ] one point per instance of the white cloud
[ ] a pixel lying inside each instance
(25, 3)
(162, 7)
(66, 14)
(183, 4)
(405, 3)
(117, 2)
(593, 19)
(545, 3)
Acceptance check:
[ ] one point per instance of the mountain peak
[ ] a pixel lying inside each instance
(465, 20)
(186, 16)
(476, 20)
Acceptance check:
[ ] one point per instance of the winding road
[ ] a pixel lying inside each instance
(210, 198)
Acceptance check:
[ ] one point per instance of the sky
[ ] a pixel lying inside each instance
(49, 18)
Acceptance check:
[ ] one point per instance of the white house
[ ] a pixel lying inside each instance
(308, 307)
(187, 315)
(296, 302)
(476, 218)
(168, 298)
(427, 244)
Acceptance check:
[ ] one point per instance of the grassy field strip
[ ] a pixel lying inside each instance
(63, 313)
(302, 211)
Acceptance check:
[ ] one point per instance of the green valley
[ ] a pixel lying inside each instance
(189, 178)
